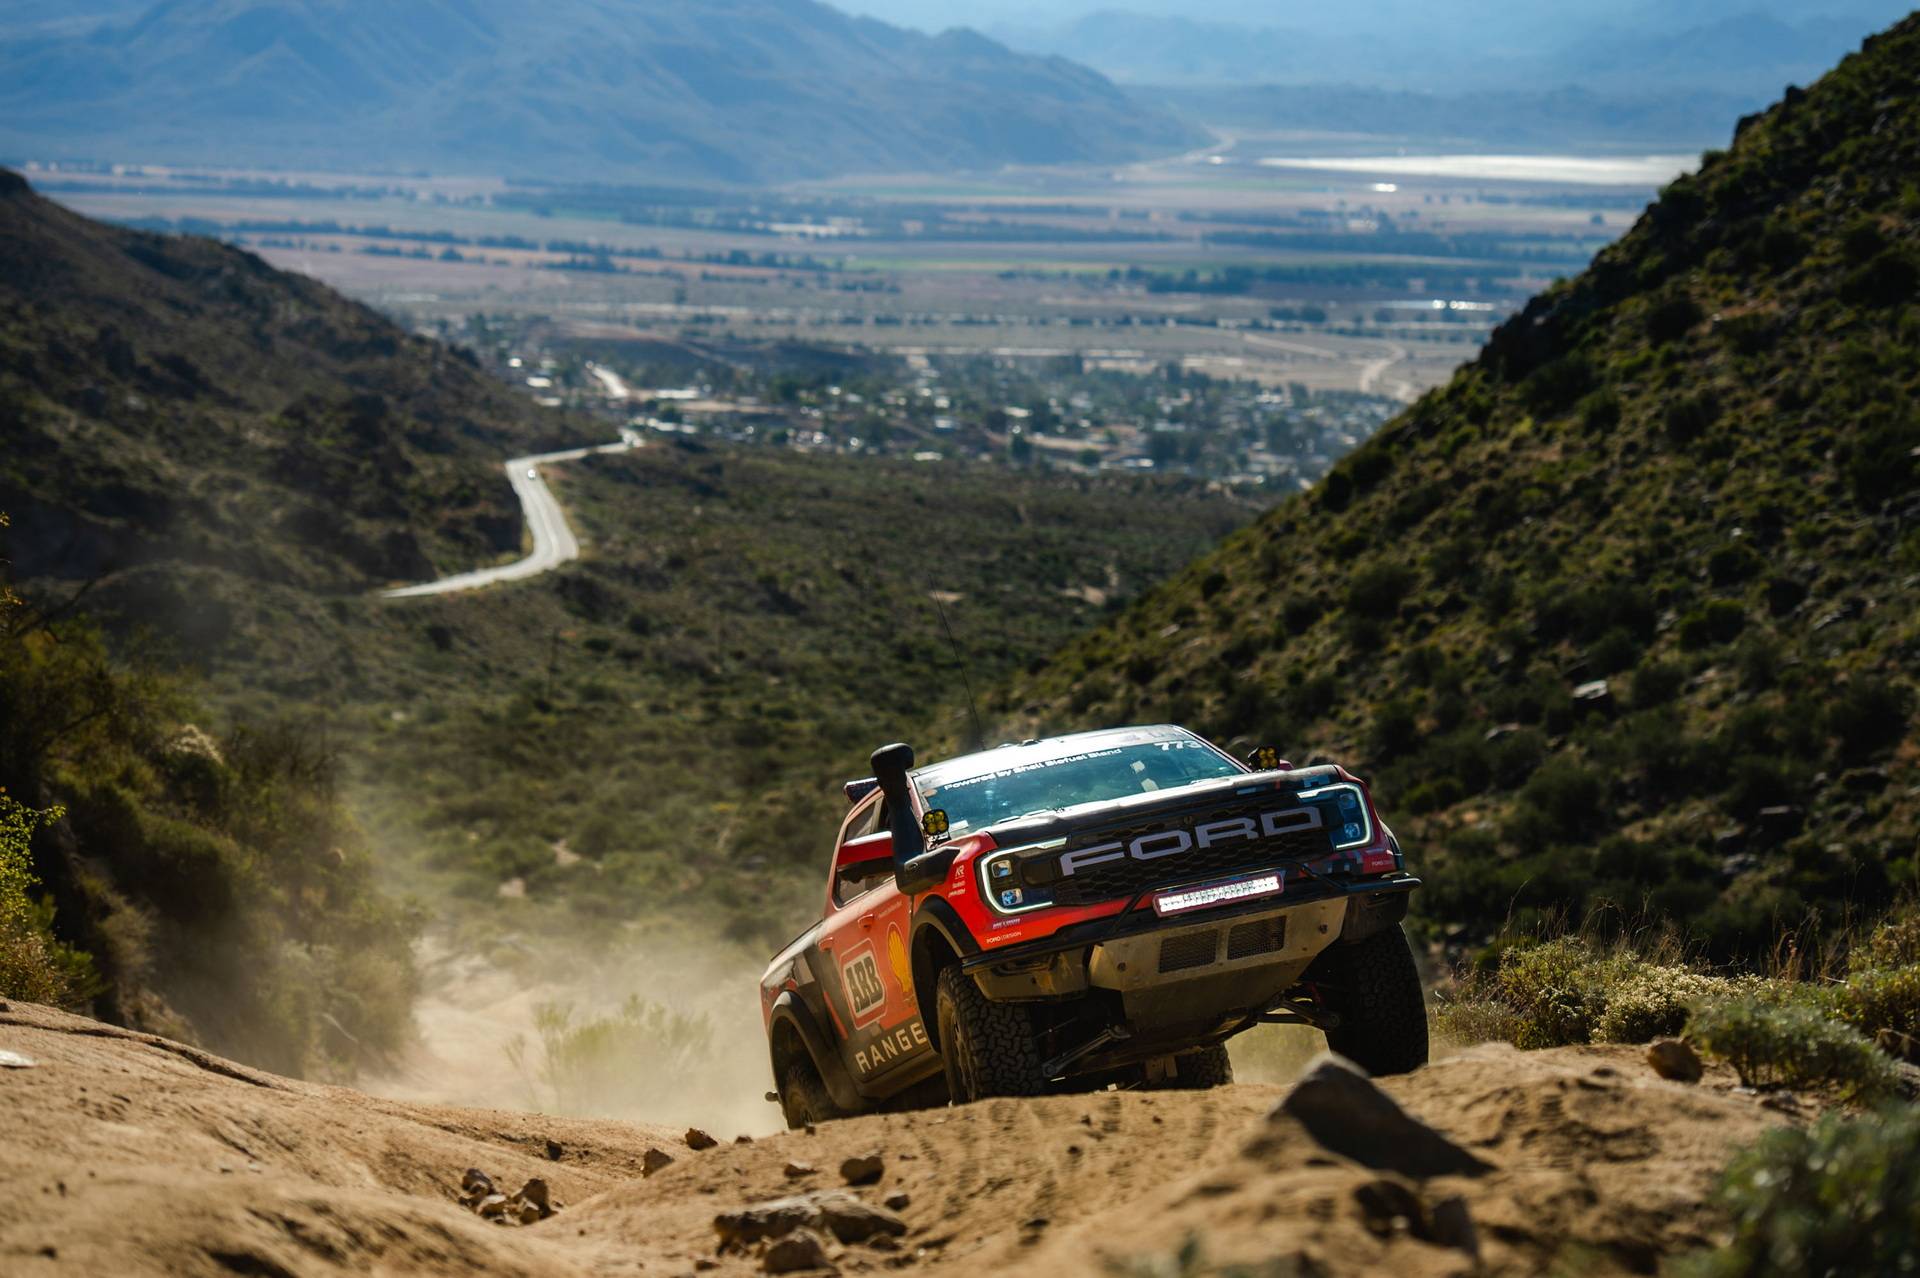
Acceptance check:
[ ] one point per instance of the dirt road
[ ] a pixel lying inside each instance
(127, 1154)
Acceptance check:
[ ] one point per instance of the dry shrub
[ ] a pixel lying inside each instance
(1791, 1044)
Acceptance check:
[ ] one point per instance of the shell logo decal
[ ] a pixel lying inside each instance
(898, 960)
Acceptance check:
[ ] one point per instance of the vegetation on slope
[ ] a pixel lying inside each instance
(666, 724)
(176, 402)
(210, 889)
(1689, 473)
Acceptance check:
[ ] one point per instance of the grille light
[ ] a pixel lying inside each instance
(1218, 894)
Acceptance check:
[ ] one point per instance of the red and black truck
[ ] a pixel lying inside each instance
(1107, 907)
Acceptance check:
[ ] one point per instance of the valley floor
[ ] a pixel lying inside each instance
(129, 1154)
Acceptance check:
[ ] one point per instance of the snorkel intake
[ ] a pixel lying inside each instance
(915, 869)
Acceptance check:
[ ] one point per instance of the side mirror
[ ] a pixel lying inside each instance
(865, 849)
(859, 863)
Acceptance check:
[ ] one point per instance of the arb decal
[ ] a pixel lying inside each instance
(865, 995)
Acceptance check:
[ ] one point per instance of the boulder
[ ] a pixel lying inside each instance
(536, 1195)
(801, 1250)
(830, 1211)
(1390, 1206)
(1347, 1115)
(795, 1170)
(1673, 1059)
(655, 1160)
(863, 1169)
(698, 1140)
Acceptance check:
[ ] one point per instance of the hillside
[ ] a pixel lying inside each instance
(173, 401)
(630, 90)
(1627, 611)
(155, 1158)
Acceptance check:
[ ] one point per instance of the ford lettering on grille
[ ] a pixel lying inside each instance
(1163, 843)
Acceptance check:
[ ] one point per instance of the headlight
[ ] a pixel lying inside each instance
(1344, 807)
(1002, 885)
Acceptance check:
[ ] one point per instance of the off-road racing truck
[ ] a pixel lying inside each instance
(1104, 908)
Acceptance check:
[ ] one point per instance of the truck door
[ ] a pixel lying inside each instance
(864, 939)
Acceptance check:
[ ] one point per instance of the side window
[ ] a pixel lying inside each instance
(862, 822)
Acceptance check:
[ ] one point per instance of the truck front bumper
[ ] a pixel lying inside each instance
(1192, 978)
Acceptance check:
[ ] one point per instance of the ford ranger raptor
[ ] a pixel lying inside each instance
(1104, 908)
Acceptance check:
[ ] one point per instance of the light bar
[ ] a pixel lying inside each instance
(1218, 894)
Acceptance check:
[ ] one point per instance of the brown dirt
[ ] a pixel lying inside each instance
(128, 1154)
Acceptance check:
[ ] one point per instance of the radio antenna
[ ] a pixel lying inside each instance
(966, 679)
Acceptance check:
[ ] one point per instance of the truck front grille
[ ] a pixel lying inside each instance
(1126, 877)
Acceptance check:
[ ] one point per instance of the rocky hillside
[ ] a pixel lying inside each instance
(623, 90)
(1627, 612)
(176, 401)
(136, 1155)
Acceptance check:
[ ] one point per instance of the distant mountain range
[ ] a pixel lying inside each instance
(726, 90)
(1749, 47)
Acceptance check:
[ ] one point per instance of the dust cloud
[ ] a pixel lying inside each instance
(659, 1026)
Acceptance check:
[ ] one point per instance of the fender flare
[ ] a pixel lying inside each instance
(935, 918)
(789, 1010)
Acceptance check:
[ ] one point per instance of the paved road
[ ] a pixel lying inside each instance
(553, 541)
(614, 384)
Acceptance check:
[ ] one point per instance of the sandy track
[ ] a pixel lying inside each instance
(126, 1154)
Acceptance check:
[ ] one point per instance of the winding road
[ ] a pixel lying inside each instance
(553, 541)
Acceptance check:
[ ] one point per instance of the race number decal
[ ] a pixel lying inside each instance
(865, 995)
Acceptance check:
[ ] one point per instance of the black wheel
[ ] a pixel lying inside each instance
(1375, 988)
(803, 1097)
(1193, 1071)
(987, 1047)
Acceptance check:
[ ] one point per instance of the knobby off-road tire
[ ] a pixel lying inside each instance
(803, 1097)
(988, 1048)
(1383, 1011)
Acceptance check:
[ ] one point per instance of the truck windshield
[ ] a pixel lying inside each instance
(976, 799)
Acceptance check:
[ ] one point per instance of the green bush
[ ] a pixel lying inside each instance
(34, 967)
(1570, 990)
(1894, 942)
(1840, 1198)
(1791, 1044)
(1884, 1004)
(1869, 714)
(1654, 1000)
(1377, 590)
(1557, 989)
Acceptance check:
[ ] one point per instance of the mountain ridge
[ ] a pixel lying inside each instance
(735, 91)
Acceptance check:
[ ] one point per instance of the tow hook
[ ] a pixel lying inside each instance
(1112, 1034)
